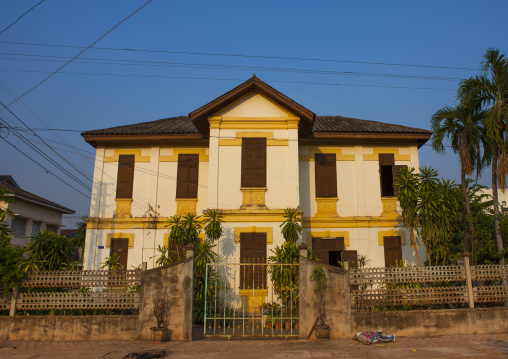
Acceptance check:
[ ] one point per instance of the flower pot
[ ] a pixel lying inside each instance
(278, 325)
(322, 331)
(287, 325)
(268, 325)
(159, 335)
(297, 325)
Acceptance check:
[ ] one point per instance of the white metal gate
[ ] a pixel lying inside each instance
(251, 298)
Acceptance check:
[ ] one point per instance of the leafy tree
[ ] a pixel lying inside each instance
(213, 221)
(10, 260)
(112, 262)
(5, 196)
(50, 251)
(462, 126)
(291, 228)
(490, 91)
(81, 236)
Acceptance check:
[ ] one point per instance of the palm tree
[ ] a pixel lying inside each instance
(490, 91)
(462, 127)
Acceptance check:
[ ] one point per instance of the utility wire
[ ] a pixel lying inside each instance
(75, 57)
(45, 169)
(233, 79)
(19, 18)
(145, 63)
(58, 154)
(244, 56)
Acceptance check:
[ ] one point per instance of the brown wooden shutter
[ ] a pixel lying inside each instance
(393, 250)
(252, 251)
(120, 247)
(351, 256)
(323, 245)
(125, 179)
(326, 175)
(187, 176)
(253, 162)
(386, 159)
(396, 170)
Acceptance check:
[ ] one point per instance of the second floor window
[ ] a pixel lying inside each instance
(326, 175)
(253, 162)
(388, 172)
(187, 177)
(125, 179)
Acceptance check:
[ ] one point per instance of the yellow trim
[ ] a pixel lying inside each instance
(165, 240)
(253, 196)
(389, 207)
(326, 207)
(349, 222)
(254, 229)
(238, 142)
(129, 236)
(376, 151)
(136, 153)
(253, 123)
(186, 205)
(391, 233)
(202, 152)
(123, 208)
(266, 134)
(344, 234)
(338, 154)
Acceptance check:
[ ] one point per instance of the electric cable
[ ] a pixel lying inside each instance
(19, 18)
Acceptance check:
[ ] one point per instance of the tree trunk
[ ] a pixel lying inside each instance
(413, 243)
(469, 217)
(499, 238)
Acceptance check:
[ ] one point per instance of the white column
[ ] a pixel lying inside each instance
(97, 182)
(361, 198)
(213, 168)
(293, 169)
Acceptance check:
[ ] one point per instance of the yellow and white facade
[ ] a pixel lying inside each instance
(358, 214)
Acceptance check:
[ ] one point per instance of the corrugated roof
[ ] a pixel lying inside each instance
(341, 124)
(183, 125)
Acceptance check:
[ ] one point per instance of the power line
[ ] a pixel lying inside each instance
(19, 18)
(81, 52)
(145, 63)
(244, 56)
(45, 169)
(59, 155)
(233, 79)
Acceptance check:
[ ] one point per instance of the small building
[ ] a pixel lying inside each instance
(251, 153)
(32, 213)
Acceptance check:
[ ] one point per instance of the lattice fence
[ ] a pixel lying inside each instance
(417, 288)
(82, 290)
(409, 287)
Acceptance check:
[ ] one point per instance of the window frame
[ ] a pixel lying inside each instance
(254, 162)
(14, 226)
(125, 176)
(187, 176)
(325, 173)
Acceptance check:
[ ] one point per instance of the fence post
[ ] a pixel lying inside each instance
(143, 266)
(345, 264)
(14, 298)
(189, 250)
(303, 249)
(469, 282)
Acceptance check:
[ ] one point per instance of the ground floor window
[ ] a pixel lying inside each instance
(393, 250)
(18, 226)
(120, 247)
(252, 252)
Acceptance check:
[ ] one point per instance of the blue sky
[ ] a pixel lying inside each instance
(107, 88)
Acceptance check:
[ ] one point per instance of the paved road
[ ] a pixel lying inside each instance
(470, 346)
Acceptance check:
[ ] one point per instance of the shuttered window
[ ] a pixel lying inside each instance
(253, 162)
(252, 251)
(326, 175)
(125, 179)
(352, 257)
(188, 171)
(120, 247)
(393, 251)
(328, 249)
(386, 164)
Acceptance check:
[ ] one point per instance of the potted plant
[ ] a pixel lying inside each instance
(160, 310)
(321, 328)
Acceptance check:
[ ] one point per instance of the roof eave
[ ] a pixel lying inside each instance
(420, 138)
(93, 140)
(63, 210)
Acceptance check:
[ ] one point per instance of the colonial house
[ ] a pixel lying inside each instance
(31, 213)
(251, 153)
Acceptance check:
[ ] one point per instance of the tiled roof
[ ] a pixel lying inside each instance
(22, 194)
(166, 126)
(183, 125)
(353, 125)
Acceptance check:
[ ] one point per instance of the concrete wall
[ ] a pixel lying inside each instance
(337, 300)
(114, 327)
(428, 323)
(174, 282)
